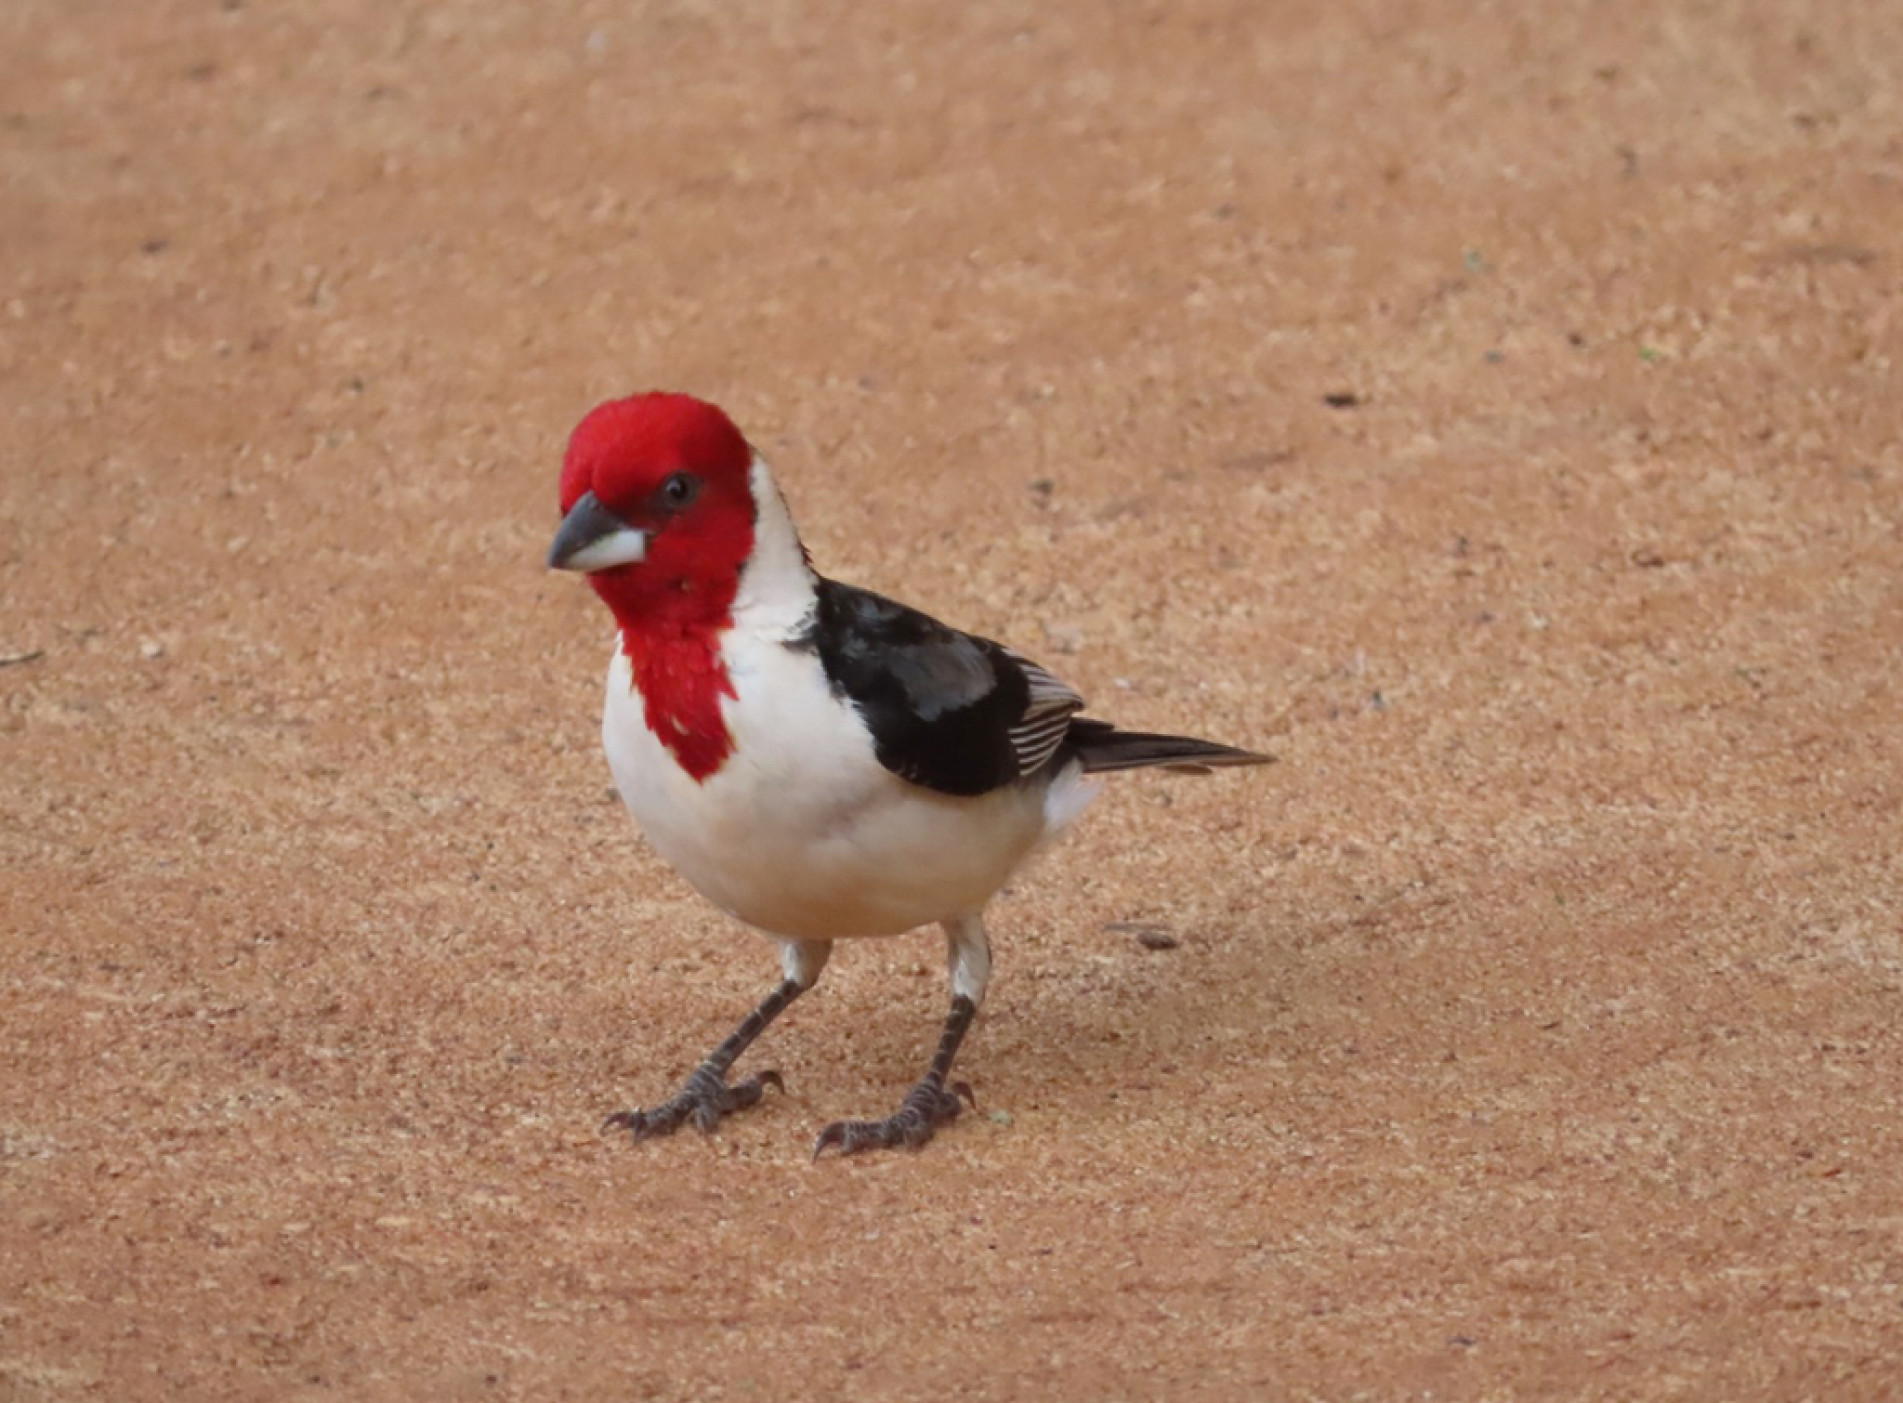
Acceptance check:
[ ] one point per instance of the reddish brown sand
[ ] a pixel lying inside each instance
(1497, 418)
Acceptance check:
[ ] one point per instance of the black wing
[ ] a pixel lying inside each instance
(947, 710)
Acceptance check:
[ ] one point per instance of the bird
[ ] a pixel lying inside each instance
(819, 761)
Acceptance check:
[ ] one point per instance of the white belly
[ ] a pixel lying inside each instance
(802, 832)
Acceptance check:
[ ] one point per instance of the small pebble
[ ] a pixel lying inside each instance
(1149, 936)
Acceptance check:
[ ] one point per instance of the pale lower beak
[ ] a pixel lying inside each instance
(593, 538)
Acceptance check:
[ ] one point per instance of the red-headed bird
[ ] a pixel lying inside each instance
(819, 761)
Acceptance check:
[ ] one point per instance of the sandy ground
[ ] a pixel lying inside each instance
(1497, 418)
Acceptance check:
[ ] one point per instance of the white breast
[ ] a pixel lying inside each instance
(802, 832)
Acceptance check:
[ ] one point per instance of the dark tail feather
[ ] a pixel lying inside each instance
(1102, 746)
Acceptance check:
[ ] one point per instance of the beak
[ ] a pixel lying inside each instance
(593, 538)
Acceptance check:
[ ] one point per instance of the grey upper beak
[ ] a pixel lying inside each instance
(593, 538)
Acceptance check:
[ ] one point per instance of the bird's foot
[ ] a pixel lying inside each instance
(704, 1099)
(926, 1107)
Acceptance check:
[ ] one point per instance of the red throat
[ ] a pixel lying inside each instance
(673, 646)
(682, 680)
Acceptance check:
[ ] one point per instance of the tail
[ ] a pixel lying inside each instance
(1101, 746)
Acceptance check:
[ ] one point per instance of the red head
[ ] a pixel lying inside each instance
(658, 511)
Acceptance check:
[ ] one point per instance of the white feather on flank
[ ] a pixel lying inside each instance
(1069, 795)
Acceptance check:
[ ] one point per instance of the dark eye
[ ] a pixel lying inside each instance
(679, 491)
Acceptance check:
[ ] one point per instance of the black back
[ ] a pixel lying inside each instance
(941, 704)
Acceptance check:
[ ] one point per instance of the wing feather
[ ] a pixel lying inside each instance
(1038, 733)
(947, 710)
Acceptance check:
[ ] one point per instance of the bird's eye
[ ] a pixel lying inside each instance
(679, 491)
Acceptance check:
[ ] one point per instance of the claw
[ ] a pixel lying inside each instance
(834, 1134)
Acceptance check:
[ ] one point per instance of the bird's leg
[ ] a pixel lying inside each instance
(706, 1095)
(934, 1101)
